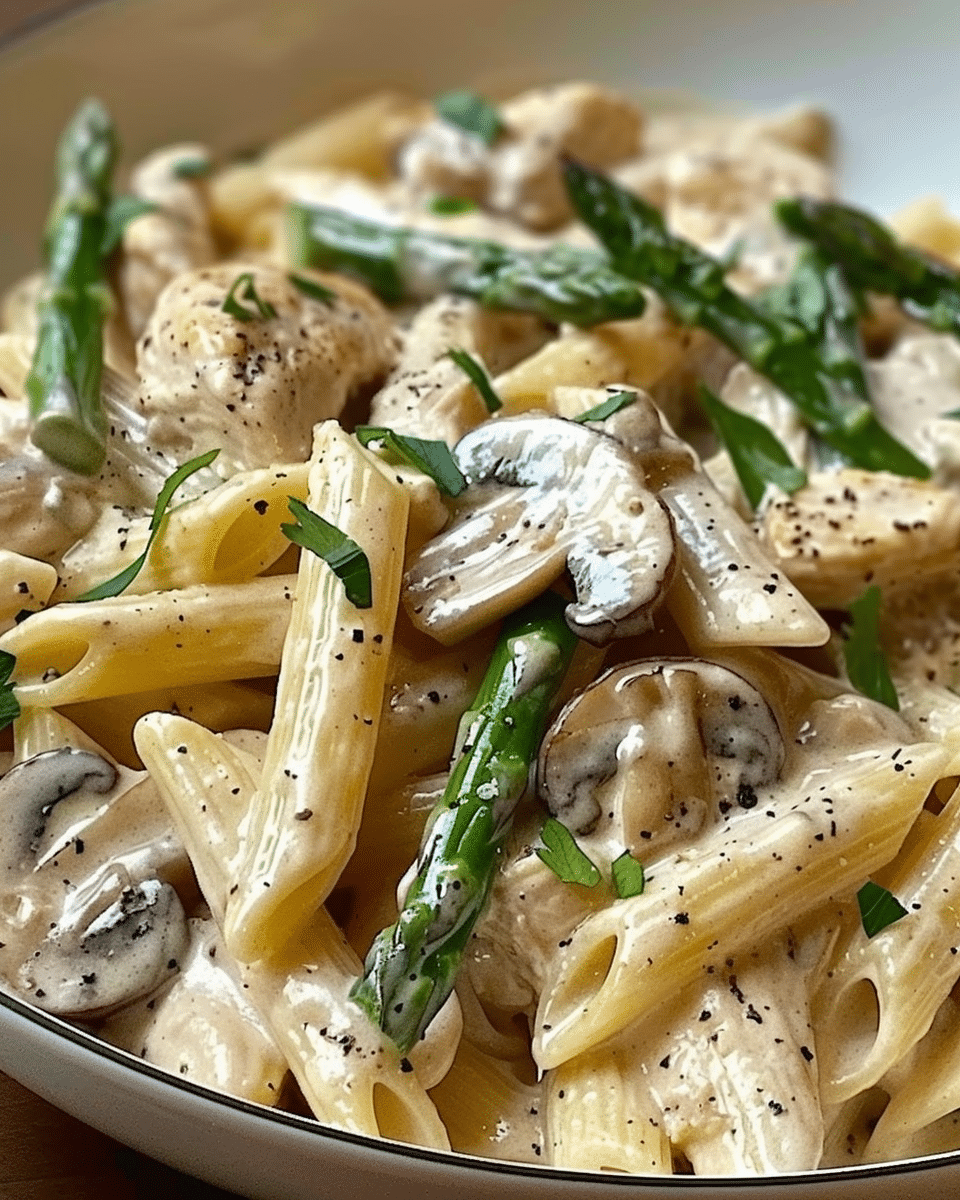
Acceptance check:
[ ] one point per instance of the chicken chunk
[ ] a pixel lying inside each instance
(162, 244)
(520, 175)
(254, 380)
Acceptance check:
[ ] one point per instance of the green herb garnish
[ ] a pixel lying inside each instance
(627, 875)
(613, 404)
(194, 167)
(341, 553)
(121, 581)
(564, 857)
(471, 113)
(120, 213)
(478, 377)
(433, 458)
(243, 288)
(878, 908)
(9, 705)
(450, 206)
(865, 661)
(757, 454)
(310, 287)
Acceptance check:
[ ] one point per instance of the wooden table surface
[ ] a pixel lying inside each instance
(44, 1154)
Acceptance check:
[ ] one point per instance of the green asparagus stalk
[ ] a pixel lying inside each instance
(874, 261)
(63, 385)
(410, 969)
(692, 284)
(562, 283)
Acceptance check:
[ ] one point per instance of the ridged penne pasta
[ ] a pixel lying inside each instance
(303, 824)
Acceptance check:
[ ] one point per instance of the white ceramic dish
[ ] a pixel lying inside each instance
(236, 71)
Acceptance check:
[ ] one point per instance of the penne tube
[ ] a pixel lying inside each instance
(201, 634)
(227, 535)
(303, 823)
(26, 584)
(812, 840)
(351, 1075)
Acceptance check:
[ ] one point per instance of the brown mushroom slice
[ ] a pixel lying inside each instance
(127, 951)
(690, 738)
(543, 493)
(848, 530)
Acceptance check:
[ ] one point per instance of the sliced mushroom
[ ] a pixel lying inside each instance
(543, 493)
(128, 950)
(688, 738)
(86, 938)
(729, 591)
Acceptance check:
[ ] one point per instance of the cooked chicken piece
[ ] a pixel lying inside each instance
(176, 238)
(845, 531)
(520, 175)
(427, 394)
(254, 380)
(914, 388)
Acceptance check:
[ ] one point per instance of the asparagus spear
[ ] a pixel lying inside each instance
(874, 261)
(410, 969)
(63, 385)
(562, 283)
(784, 350)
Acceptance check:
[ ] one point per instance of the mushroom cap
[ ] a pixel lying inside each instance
(544, 492)
(708, 730)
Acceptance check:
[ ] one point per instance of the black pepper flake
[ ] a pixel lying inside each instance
(807, 1053)
(260, 506)
(406, 1066)
(665, 1062)
(746, 796)
(358, 636)
(706, 1015)
(682, 918)
(303, 814)
(79, 845)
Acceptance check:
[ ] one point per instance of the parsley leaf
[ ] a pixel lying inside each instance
(450, 206)
(627, 875)
(613, 404)
(471, 113)
(310, 287)
(564, 857)
(478, 377)
(9, 705)
(341, 553)
(121, 581)
(864, 659)
(123, 210)
(433, 458)
(757, 454)
(878, 908)
(243, 286)
(194, 167)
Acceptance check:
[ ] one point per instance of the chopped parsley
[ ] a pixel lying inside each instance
(341, 553)
(194, 166)
(757, 454)
(450, 206)
(243, 289)
(123, 210)
(121, 581)
(863, 655)
(9, 705)
(433, 458)
(878, 908)
(627, 875)
(471, 113)
(613, 404)
(564, 857)
(310, 287)
(478, 377)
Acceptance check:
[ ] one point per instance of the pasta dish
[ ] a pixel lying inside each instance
(479, 613)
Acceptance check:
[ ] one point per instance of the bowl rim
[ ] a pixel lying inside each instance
(93, 1047)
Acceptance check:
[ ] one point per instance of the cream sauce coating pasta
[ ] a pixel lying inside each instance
(259, 755)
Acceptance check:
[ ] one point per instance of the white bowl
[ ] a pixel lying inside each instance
(234, 72)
